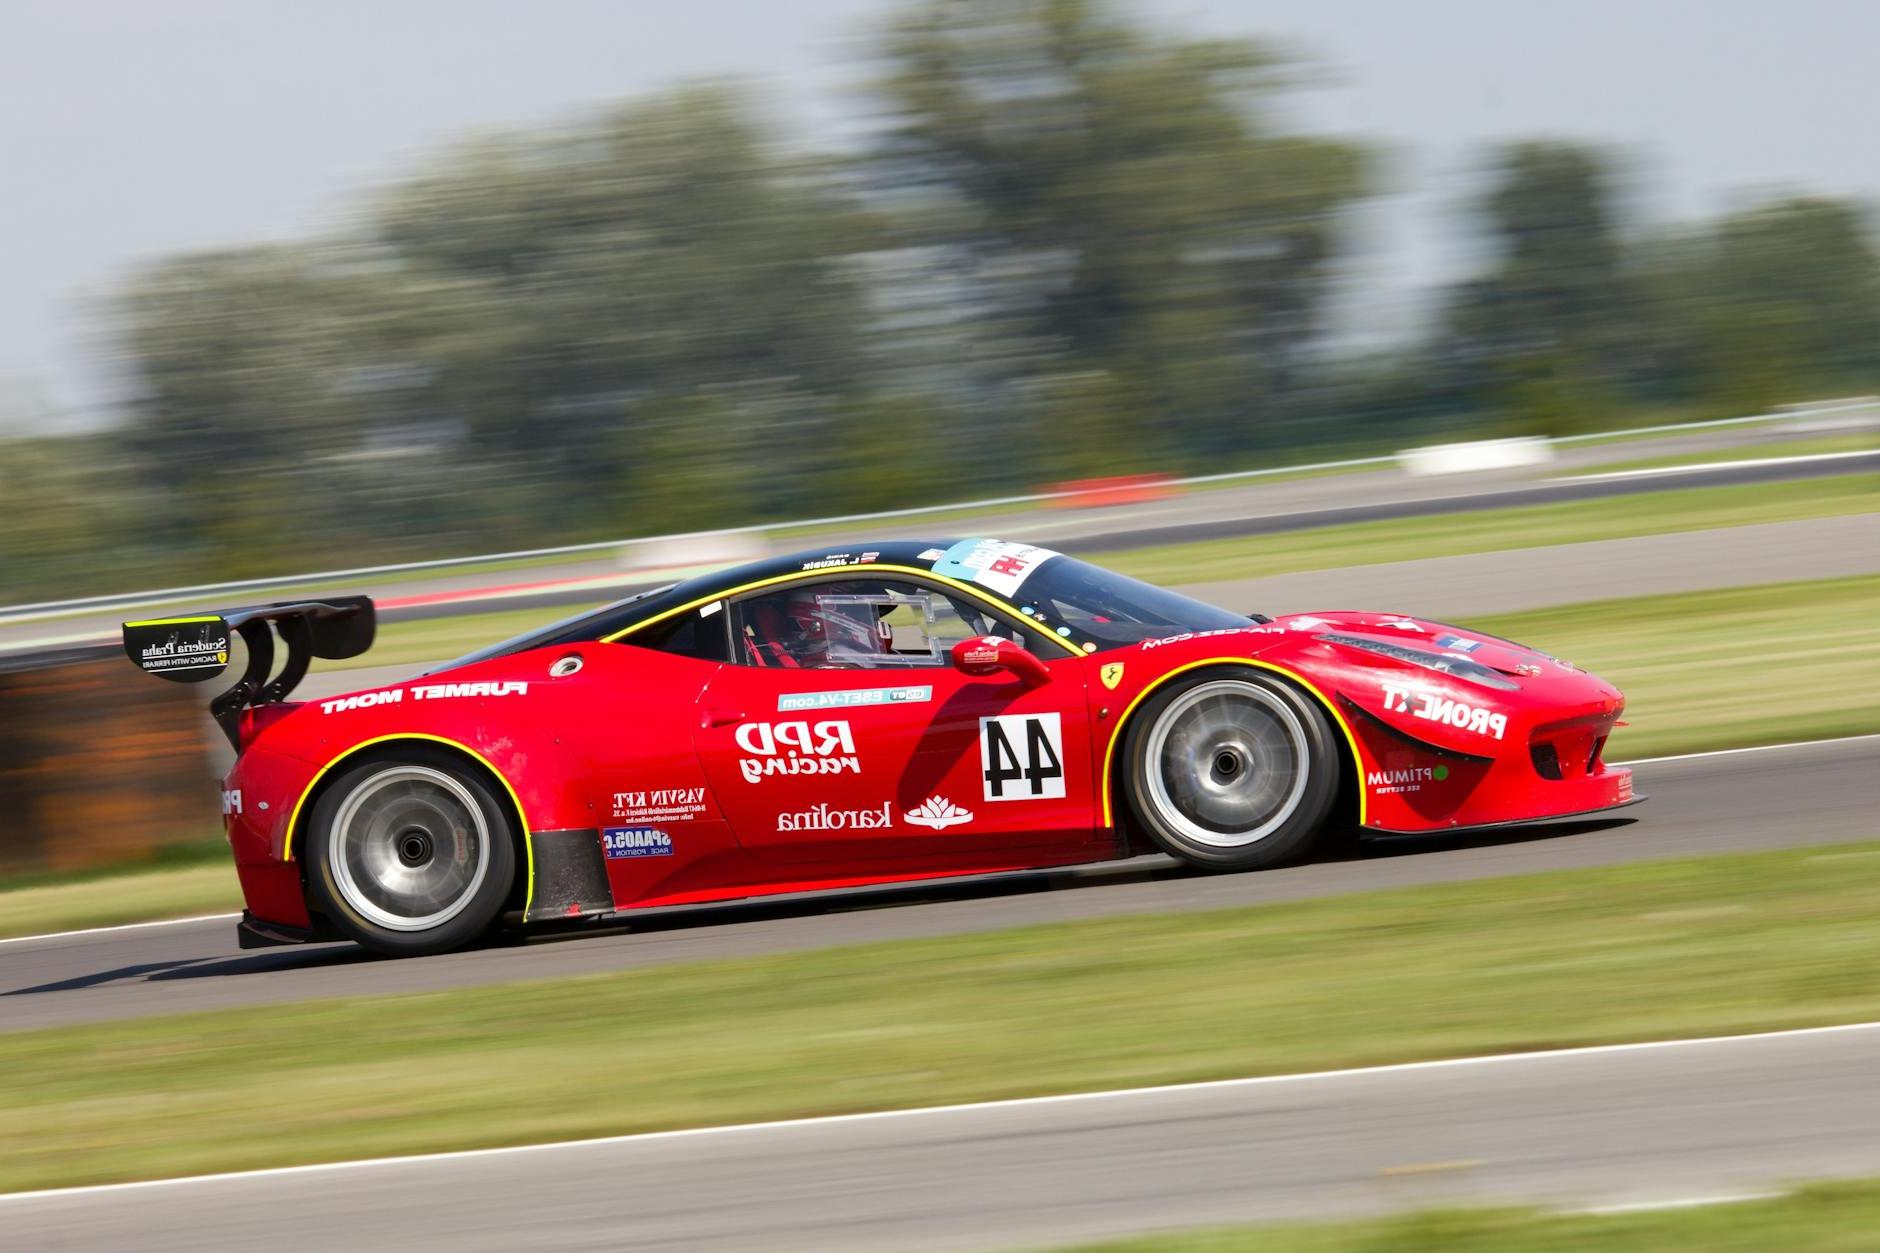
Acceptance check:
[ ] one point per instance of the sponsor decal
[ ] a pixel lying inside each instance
(796, 748)
(790, 702)
(364, 700)
(618, 842)
(938, 813)
(425, 691)
(870, 558)
(231, 801)
(1455, 713)
(1527, 668)
(992, 563)
(823, 818)
(829, 562)
(1401, 624)
(1111, 674)
(181, 654)
(672, 804)
(1306, 622)
(931, 554)
(452, 691)
(983, 651)
(1457, 643)
(1408, 779)
(1202, 635)
(1021, 757)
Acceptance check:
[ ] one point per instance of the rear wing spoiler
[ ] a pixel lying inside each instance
(196, 648)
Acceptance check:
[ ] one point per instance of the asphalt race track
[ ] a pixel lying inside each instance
(1784, 797)
(1670, 1123)
(1656, 1124)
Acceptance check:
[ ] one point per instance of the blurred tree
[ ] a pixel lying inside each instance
(1544, 335)
(611, 270)
(1118, 211)
(515, 344)
(1767, 304)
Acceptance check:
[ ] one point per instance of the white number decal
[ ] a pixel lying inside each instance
(1021, 756)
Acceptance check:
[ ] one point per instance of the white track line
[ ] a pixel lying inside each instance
(1642, 761)
(1023, 1102)
(1701, 467)
(1756, 748)
(1685, 1202)
(127, 926)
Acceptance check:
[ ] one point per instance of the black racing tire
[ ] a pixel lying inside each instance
(410, 853)
(1231, 768)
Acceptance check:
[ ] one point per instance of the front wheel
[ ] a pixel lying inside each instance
(1232, 769)
(410, 854)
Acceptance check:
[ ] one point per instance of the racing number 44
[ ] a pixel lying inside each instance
(1021, 756)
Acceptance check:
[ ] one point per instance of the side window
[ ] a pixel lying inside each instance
(853, 624)
(692, 634)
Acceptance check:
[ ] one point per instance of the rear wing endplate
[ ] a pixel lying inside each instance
(196, 648)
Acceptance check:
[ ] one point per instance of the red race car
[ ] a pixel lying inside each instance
(834, 719)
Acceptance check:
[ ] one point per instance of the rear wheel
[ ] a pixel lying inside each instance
(410, 854)
(1232, 769)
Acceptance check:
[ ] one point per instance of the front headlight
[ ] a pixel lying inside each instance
(1464, 668)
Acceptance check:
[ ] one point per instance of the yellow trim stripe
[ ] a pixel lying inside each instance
(799, 575)
(528, 837)
(1357, 758)
(207, 617)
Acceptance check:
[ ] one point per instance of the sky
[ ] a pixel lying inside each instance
(129, 130)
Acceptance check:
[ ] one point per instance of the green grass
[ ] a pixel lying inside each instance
(1491, 530)
(111, 899)
(1721, 669)
(1823, 1218)
(1863, 441)
(1655, 950)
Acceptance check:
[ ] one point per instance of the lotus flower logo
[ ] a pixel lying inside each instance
(939, 813)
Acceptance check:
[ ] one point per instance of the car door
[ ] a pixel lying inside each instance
(842, 735)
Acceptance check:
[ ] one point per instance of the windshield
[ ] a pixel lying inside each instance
(1112, 610)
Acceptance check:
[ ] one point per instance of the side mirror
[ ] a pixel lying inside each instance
(986, 655)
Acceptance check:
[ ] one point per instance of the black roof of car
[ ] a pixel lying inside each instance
(905, 553)
(609, 620)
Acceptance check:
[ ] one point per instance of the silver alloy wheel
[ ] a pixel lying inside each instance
(1227, 763)
(409, 848)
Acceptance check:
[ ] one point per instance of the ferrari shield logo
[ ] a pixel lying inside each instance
(1111, 675)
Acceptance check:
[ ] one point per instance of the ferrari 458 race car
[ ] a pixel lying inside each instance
(839, 718)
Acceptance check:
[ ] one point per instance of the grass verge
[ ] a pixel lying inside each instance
(107, 900)
(1824, 1218)
(1854, 441)
(1726, 668)
(1493, 530)
(1656, 950)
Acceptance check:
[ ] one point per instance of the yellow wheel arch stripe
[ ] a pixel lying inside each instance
(799, 575)
(207, 617)
(1357, 758)
(528, 839)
